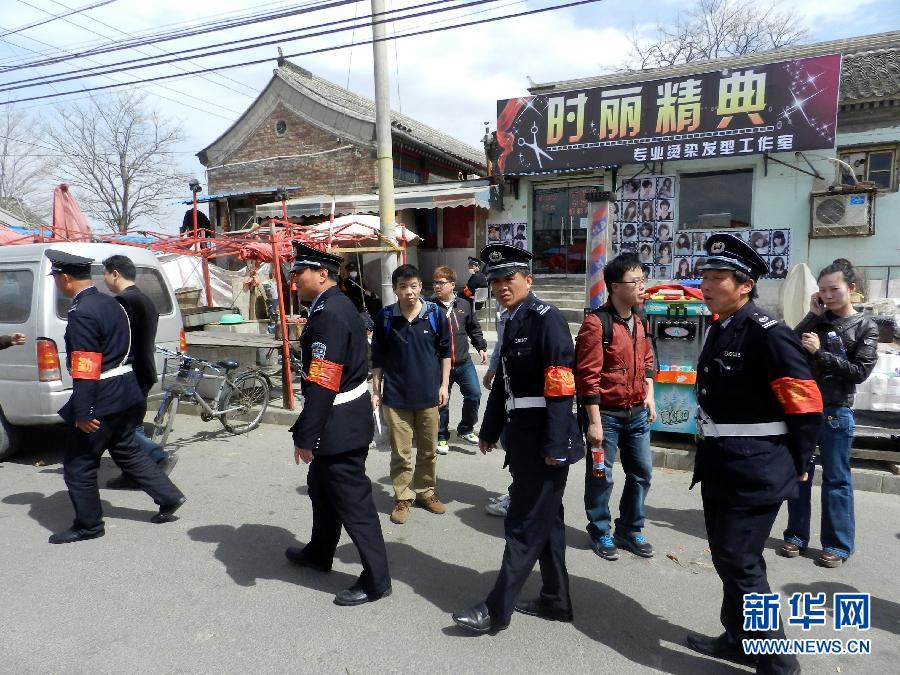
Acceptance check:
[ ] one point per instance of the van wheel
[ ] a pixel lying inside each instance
(9, 438)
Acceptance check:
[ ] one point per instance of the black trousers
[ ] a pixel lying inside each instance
(737, 537)
(535, 531)
(341, 494)
(82, 459)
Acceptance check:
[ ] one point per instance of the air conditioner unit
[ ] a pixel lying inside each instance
(842, 214)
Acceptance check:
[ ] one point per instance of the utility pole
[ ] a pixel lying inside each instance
(384, 151)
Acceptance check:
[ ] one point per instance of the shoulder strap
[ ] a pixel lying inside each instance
(606, 325)
(432, 310)
(388, 315)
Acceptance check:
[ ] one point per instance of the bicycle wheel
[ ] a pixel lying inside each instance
(249, 396)
(164, 419)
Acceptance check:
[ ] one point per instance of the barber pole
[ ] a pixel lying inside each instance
(599, 235)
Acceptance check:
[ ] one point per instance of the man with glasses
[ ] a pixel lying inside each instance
(463, 328)
(614, 378)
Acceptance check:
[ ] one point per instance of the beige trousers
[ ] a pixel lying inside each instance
(404, 424)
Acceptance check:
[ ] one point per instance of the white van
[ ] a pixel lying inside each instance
(34, 382)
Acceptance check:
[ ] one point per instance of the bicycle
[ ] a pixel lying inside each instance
(239, 403)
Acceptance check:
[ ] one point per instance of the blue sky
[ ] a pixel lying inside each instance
(449, 80)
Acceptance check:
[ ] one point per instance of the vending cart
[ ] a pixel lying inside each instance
(677, 327)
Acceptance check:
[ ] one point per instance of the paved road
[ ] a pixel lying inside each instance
(212, 592)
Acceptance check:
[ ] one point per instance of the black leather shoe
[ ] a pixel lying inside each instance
(168, 463)
(121, 482)
(725, 646)
(538, 608)
(477, 619)
(166, 513)
(297, 556)
(73, 534)
(357, 596)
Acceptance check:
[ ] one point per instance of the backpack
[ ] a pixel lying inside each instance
(431, 310)
(606, 321)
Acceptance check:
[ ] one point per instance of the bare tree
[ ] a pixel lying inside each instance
(118, 151)
(24, 175)
(715, 29)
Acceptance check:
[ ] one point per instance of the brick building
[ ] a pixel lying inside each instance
(307, 132)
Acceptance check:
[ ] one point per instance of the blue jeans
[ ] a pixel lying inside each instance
(838, 523)
(465, 376)
(153, 450)
(632, 437)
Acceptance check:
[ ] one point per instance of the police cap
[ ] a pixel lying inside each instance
(306, 256)
(68, 263)
(727, 252)
(503, 259)
(474, 262)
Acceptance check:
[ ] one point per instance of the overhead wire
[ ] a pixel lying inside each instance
(540, 10)
(54, 17)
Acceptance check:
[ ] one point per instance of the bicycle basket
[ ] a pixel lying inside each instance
(181, 375)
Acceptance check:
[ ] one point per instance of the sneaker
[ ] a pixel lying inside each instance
(443, 447)
(789, 549)
(605, 548)
(401, 511)
(499, 498)
(636, 544)
(167, 464)
(431, 503)
(470, 437)
(498, 508)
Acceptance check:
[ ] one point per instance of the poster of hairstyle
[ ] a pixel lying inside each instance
(509, 233)
(646, 223)
(781, 242)
(682, 267)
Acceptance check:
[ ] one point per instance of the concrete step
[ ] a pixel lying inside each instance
(558, 281)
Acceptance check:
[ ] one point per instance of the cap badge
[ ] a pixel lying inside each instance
(717, 247)
(495, 256)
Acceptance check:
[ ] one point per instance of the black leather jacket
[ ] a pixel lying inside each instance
(835, 375)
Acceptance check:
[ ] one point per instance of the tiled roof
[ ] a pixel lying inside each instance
(868, 75)
(871, 67)
(349, 103)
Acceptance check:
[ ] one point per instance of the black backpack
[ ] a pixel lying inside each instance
(606, 321)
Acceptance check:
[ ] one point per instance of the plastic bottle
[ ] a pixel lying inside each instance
(598, 459)
(836, 345)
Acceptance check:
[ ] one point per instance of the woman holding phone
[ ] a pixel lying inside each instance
(842, 348)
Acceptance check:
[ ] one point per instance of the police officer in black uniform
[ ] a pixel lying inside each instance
(334, 429)
(758, 417)
(531, 403)
(105, 401)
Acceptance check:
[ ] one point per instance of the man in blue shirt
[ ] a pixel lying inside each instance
(410, 375)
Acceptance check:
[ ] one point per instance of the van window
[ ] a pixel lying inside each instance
(15, 295)
(148, 279)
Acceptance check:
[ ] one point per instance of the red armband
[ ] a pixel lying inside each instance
(86, 365)
(559, 381)
(797, 396)
(326, 374)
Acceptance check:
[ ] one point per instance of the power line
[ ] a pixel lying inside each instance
(313, 51)
(54, 17)
(125, 65)
(210, 27)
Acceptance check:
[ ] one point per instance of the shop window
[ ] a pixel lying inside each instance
(426, 227)
(875, 165)
(715, 200)
(459, 227)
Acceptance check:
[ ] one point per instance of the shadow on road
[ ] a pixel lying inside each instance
(602, 613)
(885, 614)
(686, 521)
(253, 551)
(55, 512)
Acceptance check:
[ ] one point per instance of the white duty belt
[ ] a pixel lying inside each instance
(709, 429)
(352, 395)
(513, 403)
(115, 372)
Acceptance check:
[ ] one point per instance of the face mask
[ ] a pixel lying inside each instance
(353, 275)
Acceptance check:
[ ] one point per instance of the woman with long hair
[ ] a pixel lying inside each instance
(841, 346)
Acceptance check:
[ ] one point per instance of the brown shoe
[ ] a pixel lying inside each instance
(789, 550)
(431, 503)
(829, 560)
(401, 511)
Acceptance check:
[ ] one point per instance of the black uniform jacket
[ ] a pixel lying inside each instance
(144, 320)
(464, 326)
(754, 371)
(536, 360)
(335, 360)
(98, 339)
